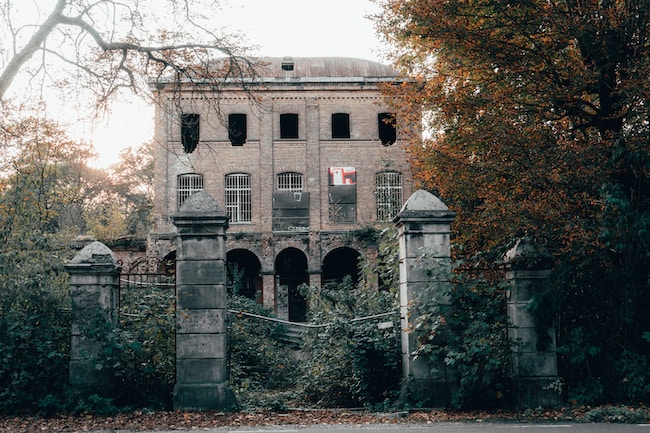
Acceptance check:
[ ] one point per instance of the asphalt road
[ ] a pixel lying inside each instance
(472, 427)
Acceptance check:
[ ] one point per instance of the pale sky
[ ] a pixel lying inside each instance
(299, 28)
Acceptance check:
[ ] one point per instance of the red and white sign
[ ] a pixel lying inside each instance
(342, 175)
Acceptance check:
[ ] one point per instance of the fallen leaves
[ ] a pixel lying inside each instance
(141, 421)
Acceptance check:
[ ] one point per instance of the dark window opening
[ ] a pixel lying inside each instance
(237, 129)
(289, 125)
(189, 132)
(340, 125)
(287, 64)
(387, 130)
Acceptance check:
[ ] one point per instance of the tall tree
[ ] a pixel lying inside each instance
(538, 112)
(105, 45)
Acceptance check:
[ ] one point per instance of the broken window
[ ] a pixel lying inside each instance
(186, 185)
(387, 130)
(340, 125)
(238, 197)
(189, 132)
(388, 192)
(289, 125)
(237, 129)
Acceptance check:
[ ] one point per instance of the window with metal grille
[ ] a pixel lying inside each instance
(238, 197)
(186, 185)
(290, 181)
(389, 194)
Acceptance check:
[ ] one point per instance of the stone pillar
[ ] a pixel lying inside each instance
(424, 265)
(268, 291)
(201, 306)
(534, 362)
(94, 283)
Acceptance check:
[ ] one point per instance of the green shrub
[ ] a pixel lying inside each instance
(618, 414)
(470, 338)
(351, 363)
(34, 332)
(143, 351)
(262, 366)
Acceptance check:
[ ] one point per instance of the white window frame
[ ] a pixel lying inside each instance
(389, 194)
(238, 197)
(289, 181)
(186, 185)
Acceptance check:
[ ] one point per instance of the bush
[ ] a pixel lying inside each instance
(351, 363)
(34, 332)
(143, 352)
(262, 366)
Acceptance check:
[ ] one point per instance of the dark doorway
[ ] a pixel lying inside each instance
(244, 277)
(291, 273)
(338, 264)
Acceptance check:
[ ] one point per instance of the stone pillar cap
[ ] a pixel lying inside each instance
(423, 204)
(95, 253)
(199, 202)
(526, 254)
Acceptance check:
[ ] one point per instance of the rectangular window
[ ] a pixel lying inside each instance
(289, 125)
(342, 194)
(237, 129)
(389, 195)
(238, 197)
(186, 185)
(189, 132)
(387, 131)
(340, 125)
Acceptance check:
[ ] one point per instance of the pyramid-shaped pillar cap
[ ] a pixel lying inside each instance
(94, 253)
(200, 209)
(424, 205)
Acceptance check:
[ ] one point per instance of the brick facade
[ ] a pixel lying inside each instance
(284, 255)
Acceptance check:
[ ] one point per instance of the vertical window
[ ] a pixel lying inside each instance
(238, 197)
(340, 125)
(387, 131)
(389, 195)
(189, 132)
(186, 185)
(290, 181)
(342, 194)
(237, 129)
(289, 125)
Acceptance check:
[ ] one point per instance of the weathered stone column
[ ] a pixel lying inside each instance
(424, 265)
(94, 284)
(201, 303)
(534, 362)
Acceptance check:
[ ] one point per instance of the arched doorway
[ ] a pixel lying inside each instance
(338, 264)
(244, 277)
(290, 274)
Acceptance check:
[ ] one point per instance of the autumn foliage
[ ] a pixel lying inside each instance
(536, 114)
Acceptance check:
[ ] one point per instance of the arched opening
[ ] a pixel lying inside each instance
(290, 274)
(167, 265)
(338, 264)
(244, 277)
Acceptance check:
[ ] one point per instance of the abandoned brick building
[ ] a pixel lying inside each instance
(305, 169)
